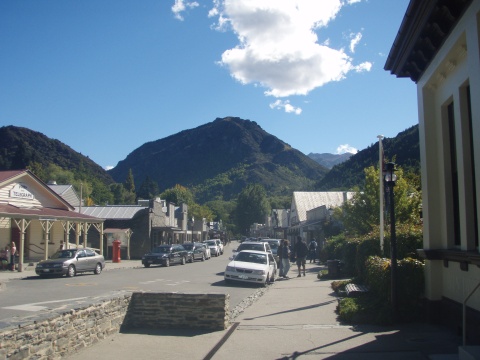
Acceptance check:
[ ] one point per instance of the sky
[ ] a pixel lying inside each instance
(106, 76)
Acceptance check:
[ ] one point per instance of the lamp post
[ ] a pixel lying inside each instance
(390, 179)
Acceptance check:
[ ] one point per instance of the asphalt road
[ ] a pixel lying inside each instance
(33, 298)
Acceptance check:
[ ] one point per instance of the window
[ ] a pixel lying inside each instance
(472, 167)
(452, 150)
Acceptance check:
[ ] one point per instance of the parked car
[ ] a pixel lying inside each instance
(220, 245)
(207, 251)
(71, 262)
(274, 244)
(166, 255)
(214, 248)
(196, 251)
(252, 245)
(251, 266)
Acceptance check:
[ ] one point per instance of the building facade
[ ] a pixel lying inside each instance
(438, 47)
(38, 220)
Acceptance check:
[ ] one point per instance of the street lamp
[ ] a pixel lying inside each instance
(390, 179)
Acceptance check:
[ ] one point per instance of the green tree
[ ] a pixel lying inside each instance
(129, 184)
(361, 214)
(252, 207)
(178, 194)
(148, 190)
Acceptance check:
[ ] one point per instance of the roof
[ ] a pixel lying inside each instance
(10, 176)
(7, 210)
(425, 27)
(113, 212)
(67, 192)
(308, 200)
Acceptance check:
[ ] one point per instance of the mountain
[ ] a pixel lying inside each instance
(404, 150)
(329, 160)
(20, 147)
(219, 159)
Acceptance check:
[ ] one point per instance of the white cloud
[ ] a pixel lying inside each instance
(181, 6)
(355, 39)
(286, 106)
(342, 149)
(109, 167)
(278, 45)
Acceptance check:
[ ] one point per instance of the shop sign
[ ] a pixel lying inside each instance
(20, 191)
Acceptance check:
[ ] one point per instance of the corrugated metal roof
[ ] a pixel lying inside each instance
(112, 211)
(308, 200)
(67, 192)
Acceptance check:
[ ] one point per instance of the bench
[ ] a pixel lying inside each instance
(353, 290)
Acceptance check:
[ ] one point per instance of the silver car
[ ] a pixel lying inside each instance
(71, 262)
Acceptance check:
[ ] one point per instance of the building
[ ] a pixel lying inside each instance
(438, 47)
(310, 209)
(38, 220)
(139, 227)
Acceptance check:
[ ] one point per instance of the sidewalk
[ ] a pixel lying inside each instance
(294, 319)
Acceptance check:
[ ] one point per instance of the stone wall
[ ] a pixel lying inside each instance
(160, 310)
(76, 329)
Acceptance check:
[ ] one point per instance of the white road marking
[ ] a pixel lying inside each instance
(36, 307)
(152, 281)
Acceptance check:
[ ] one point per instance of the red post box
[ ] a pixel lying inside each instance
(116, 251)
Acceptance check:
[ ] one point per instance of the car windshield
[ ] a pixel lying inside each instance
(188, 246)
(64, 254)
(161, 249)
(273, 245)
(258, 247)
(211, 243)
(251, 257)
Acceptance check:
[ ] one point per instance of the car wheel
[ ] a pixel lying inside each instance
(166, 263)
(203, 257)
(146, 265)
(267, 280)
(98, 269)
(272, 279)
(71, 272)
(184, 261)
(192, 259)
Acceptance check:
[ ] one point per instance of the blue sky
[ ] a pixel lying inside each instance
(107, 76)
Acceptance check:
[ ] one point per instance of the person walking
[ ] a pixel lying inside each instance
(301, 252)
(13, 251)
(279, 254)
(312, 251)
(285, 259)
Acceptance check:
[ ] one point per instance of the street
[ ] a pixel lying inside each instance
(32, 298)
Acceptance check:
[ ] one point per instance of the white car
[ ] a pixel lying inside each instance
(252, 245)
(251, 266)
(208, 253)
(220, 245)
(214, 248)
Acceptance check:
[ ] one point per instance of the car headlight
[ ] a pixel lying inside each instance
(230, 268)
(259, 272)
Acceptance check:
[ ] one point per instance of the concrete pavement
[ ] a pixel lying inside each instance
(295, 318)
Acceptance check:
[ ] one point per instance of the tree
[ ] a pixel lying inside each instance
(178, 194)
(129, 184)
(148, 190)
(252, 207)
(361, 214)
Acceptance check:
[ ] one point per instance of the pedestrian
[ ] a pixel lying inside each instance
(301, 252)
(285, 259)
(279, 254)
(13, 252)
(312, 251)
